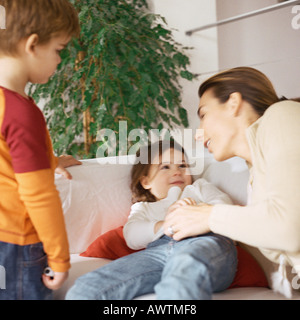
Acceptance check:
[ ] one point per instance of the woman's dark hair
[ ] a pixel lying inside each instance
(145, 157)
(252, 84)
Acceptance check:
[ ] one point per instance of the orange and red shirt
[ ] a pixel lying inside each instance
(30, 206)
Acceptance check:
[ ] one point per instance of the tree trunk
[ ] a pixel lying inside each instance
(86, 129)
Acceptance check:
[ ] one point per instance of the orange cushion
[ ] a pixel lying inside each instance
(111, 245)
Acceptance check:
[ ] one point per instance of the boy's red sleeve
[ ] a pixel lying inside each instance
(25, 132)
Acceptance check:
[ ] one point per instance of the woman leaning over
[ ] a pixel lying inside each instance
(242, 116)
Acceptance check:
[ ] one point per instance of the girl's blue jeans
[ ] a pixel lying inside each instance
(21, 269)
(191, 269)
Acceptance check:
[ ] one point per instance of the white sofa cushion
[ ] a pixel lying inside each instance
(95, 201)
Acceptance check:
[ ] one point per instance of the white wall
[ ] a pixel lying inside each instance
(183, 15)
(267, 42)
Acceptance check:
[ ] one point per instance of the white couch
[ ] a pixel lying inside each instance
(97, 200)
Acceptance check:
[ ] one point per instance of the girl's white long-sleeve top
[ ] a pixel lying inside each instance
(139, 229)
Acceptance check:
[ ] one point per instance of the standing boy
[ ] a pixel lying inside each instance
(32, 230)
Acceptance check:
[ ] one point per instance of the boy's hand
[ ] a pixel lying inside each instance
(55, 282)
(65, 162)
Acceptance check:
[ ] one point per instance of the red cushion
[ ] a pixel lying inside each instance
(111, 245)
(249, 273)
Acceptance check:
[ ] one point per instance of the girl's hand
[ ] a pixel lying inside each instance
(158, 225)
(181, 203)
(187, 221)
(65, 162)
(55, 282)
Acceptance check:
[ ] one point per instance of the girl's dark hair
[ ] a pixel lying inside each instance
(145, 157)
(252, 84)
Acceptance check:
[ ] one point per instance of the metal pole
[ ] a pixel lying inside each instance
(243, 16)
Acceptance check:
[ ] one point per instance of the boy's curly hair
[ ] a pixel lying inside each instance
(46, 18)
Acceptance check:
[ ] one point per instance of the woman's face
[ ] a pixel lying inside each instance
(217, 121)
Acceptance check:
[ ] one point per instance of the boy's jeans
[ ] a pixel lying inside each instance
(21, 272)
(191, 269)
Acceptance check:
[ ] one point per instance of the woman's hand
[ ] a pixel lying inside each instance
(65, 162)
(187, 221)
